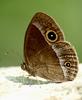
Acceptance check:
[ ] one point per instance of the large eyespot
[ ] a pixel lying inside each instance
(51, 36)
(67, 64)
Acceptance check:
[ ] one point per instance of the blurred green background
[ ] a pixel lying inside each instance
(15, 16)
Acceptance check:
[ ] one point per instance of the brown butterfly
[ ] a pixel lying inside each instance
(46, 52)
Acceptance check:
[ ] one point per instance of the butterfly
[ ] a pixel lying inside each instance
(46, 52)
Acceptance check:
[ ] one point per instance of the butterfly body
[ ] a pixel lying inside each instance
(46, 52)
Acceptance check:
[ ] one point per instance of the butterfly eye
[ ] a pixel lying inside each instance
(67, 64)
(51, 36)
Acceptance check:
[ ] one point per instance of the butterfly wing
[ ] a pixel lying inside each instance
(68, 59)
(46, 53)
(35, 37)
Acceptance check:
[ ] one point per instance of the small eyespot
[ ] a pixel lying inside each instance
(67, 64)
(51, 36)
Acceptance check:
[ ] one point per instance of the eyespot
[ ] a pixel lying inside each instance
(67, 64)
(51, 36)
